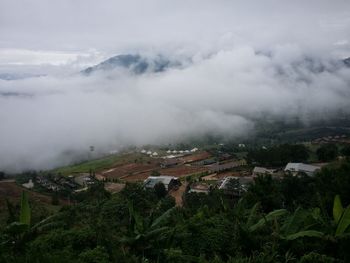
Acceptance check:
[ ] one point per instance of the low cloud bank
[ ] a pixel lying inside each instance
(51, 121)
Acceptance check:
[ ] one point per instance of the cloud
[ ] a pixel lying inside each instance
(119, 26)
(60, 117)
(244, 60)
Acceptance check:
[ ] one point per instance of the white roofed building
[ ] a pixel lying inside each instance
(296, 168)
(262, 171)
(170, 182)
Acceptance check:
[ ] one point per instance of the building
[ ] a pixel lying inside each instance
(236, 186)
(83, 180)
(296, 168)
(214, 168)
(170, 162)
(262, 171)
(199, 188)
(170, 182)
(29, 185)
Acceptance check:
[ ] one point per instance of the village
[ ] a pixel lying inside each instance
(180, 171)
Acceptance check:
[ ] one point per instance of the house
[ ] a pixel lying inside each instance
(224, 156)
(170, 162)
(234, 185)
(199, 188)
(261, 171)
(83, 180)
(207, 161)
(296, 168)
(29, 185)
(226, 166)
(46, 183)
(170, 182)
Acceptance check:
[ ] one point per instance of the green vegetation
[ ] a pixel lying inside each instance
(327, 152)
(99, 164)
(279, 155)
(293, 219)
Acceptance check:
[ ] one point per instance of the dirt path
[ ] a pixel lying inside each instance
(7, 181)
(178, 194)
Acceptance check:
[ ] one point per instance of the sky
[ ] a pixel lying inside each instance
(247, 58)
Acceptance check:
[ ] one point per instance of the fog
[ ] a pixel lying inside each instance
(240, 62)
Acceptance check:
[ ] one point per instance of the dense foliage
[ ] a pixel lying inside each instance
(278, 155)
(294, 219)
(327, 152)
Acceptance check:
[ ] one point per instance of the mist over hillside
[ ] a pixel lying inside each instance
(221, 95)
(163, 73)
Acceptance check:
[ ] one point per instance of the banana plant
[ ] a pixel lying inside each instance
(341, 217)
(301, 223)
(145, 231)
(25, 213)
(16, 230)
(287, 226)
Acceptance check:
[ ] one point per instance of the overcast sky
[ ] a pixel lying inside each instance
(57, 31)
(242, 60)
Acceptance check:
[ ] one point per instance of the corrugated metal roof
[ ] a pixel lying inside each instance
(151, 181)
(301, 167)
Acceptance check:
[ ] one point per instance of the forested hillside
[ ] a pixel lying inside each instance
(293, 219)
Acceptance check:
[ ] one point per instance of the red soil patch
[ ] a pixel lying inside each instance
(129, 169)
(177, 194)
(13, 192)
(137, 177)
(183, 170)
(195, 157)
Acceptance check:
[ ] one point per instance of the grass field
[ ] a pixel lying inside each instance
(102, 163)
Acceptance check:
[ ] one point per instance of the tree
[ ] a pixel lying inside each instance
(327, 152)
(279, 155)
(266, 191)
(147, 234)
(346, 150)
(160, 190)
(298, 191)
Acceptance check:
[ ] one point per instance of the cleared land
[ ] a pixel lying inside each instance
(178, 171)
(102, 163)
(195, 157)
(125, 170)
(177, 194)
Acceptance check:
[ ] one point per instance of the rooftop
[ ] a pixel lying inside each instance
(301, 167)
